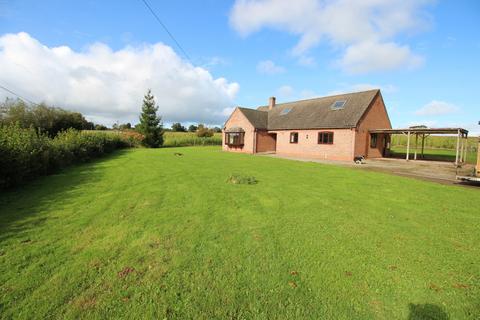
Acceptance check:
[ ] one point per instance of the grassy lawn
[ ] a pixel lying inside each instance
(146, 234)
(433, 154)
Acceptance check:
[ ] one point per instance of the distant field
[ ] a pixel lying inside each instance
(145, 234)
(437, 142)
(432, 154)
(181, 139)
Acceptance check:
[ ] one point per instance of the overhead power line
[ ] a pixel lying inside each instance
(17, 95)
(166, 29)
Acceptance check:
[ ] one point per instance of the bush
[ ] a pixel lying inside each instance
(26, 154)
(204, 132)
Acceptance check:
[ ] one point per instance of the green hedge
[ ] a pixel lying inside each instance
(26, 154)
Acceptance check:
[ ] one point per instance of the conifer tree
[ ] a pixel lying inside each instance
(150, 123)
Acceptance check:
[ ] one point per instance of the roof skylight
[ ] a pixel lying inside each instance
(285, 111)
(338, 105)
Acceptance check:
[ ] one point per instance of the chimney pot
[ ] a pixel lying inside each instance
(271, 103)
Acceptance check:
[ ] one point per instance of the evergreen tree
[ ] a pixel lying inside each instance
(150, 124)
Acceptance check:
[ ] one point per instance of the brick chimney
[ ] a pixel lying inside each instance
(271, 103)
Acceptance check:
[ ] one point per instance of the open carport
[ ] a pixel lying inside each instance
(418, 135)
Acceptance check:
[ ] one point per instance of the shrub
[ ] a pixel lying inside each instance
(26, 154)
(204, 132)
(134, 138)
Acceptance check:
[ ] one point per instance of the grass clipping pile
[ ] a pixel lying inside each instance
(239, 179)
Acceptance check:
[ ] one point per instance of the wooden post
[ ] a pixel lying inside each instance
(423, 145)
(461, 149)
(478, 158)
(416, 146)
(466, 149)
(408, 145)
(458, 148)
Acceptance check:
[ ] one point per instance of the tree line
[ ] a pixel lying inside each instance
(50, 121)
(45, 119)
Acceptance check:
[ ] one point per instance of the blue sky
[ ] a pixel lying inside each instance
(424, 55)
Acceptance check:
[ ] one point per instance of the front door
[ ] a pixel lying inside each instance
(274, 136)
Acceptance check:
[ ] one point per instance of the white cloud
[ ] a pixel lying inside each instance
(109, 85)
(373, 56)
(435, 108)
(355, 26)
(208, 63)
(285, 91)
(269, 67)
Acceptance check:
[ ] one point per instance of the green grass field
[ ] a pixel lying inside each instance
(435, 141)
(182, 139)
(146, 234)
(433, 154)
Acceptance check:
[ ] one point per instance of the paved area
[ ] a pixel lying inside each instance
(437, 171)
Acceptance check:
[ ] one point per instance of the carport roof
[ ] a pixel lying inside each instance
(422, 130)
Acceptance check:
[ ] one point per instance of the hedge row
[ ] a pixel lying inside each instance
(26, 154)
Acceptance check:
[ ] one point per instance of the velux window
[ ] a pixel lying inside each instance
(234, 138)
(293, 137)
(325, 137)
(337, 105)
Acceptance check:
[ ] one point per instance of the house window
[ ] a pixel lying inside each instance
(373, 140)
(234, 138)
(293, 137)
(325, 137)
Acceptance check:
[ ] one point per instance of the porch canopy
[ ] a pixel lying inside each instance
(235, 130)
(462, 135)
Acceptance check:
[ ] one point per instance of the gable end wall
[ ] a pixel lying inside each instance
(376, 117)
(238, 119)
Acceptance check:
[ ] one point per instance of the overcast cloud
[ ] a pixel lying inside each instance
(108, 86)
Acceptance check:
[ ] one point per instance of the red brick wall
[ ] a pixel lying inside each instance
(237, 119)
(265, 142)
(308, 147)
(375, 118)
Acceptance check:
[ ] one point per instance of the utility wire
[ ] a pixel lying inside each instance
(18, 96)
(166, 29)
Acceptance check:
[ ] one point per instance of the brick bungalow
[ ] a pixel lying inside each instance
(334, 127)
